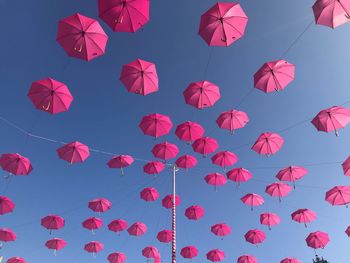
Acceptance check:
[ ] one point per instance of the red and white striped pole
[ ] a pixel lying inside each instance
(173, 219)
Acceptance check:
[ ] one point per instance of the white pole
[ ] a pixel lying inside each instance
(173, 243)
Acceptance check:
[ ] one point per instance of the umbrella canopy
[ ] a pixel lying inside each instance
(50, 95)
(252, 200)
(232, 120)
(215, 179)
(92, 223)
(149, 194)
(117, 225)
(167, 201)
(116, 257)
(332, 119)
(189, 252)
(290, 260)
(202, 94)
(16, 260)
(268, 143)
(140, 77)
(137, 229)
(165, 236)
(331, 13)
(223, 24)
(155, 125)
(100, 205)
(81, 37)
(255, 236)
(224, 159)
(6, 205)
(186, 161)
(274, 76)
(317, 240)
(15, 163)
(124, 15)
(120, 162)
(93, 247)
(338, 195)
(239, 175)
(74, 152)
(292, 174)
(269, 219)
(194, 212)
(165, 151)
(7, 235)
(154, 167)
(205, 145)
(221, 229)
(189, 131)
(346, 166)
(150, 252)
(52, 222)
(56, 244)
(347, 231)
(304, 216)
(216, 255)
(278, 189)
(247, 259)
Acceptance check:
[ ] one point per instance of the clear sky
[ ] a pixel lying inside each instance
(105, 116)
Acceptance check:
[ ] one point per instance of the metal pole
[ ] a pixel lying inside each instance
(173, 219)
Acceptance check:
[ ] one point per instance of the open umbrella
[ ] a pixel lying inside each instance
(223, 24)
(165, 236)
(202, 94)
(252, 200)
(92, 223)
(303, 216)
(116, 257)
(137, 229)
(186, 161)
(239, 175)
(347, 231)
(100, 205)
(215, 179)
(292, 174)
(150, 252)
(124, 15)
(232, 120)
(224, 159)
(278, 189)
(247, 259)
(52, 222)
(346, 166)
(56, 244)
(167, 201)
(216, 255)
(149, 194)
(50, 95)
(189, 252)
(117, 225)
(274, 76)
(155, 125)
(16, 260)
(81, 37)
(338, 195)
(269, 219)
(194, 212)
(154, 167)
(16, 164)
(205, 145)
(221, 229)
(165, 151)
(317, 240)
(120, 162)
(6, 205)
(6, 235)
(93, 247)
(290, 260)
(268, 143)
(74, 152)
(255, 236)
(189, 131)
(331, 13)
(140, 77)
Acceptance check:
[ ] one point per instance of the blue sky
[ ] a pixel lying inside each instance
(104, 116)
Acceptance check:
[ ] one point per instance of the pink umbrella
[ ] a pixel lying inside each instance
(140, 77)
(74, 152)
(221, 229)
(189, 131)
(6, 235)
(52, 222)
(252, 200)
(15, 163)
(255, 236)
(304, 216)
(120, 162)
(292, 174)
(117, 225)
(150, 252)
(165, 151)
(189, 252)
(331, 13)
(346, 166)
(6, 205)
(50, 95)
(317, 239)
(205, 145)
(223, 24)
(154, 167)
(290, 260)
(216, 255)
(239, 175)
(92, 223)
(116, 257)
(93, 247)
(268, 143)
(124, 15)
(224, 159)
(269, 219)
(232, 120)
(332, 119)
(165, 236)
(194, 212)
(137, 229)
(167, 201)
(274, 76)
(347, 231)
(338, 195)
(155, 125)
(56, 244)
(202, 94)
(186, 161)
(247, 259)
(100, 205)
(215, 179)
(278, 189)
(81, 37)
(16, 260)
(149, 194)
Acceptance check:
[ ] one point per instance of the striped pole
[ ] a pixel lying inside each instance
(173, 219)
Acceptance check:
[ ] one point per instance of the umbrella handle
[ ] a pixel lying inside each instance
(79, 49)
(47, 107)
